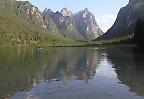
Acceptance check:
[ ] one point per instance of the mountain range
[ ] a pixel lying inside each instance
(76, 26)
(23, 23)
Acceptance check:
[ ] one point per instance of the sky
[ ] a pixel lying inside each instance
(105, 11)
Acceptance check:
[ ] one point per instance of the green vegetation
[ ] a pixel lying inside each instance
(15, 30)
(122, 40)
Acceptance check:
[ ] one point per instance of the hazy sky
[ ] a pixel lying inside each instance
(105, 11)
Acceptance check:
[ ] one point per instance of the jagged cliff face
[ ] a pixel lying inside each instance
(126, 20)
(64, 23)
(30, 13)
(60, 22)
(78, 26)
(136, 3)
(49, 22)
(86, 24)
(65, 12)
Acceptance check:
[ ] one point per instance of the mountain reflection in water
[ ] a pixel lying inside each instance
(68, 73)
(129, 65)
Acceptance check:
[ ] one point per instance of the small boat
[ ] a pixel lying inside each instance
(38, 49)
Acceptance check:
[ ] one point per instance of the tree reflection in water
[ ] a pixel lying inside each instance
(75, 71)
(129, 65)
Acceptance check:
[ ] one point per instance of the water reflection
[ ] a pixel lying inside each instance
(21, 68)
(80, 73)
(15, 74)
(129, 65)
(72, 63)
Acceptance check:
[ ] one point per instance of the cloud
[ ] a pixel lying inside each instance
(105, 21)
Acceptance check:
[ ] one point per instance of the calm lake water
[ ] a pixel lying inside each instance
(72, 73)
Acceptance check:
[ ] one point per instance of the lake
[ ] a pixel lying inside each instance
(72, 73)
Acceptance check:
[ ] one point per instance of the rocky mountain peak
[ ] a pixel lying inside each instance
(86, 10)
(86, 13)
(136, 3)
(30, 13)
(47, 12)
(87, 24)
(130, 1)
(126, 20)
(66, 12)
(78, 26)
